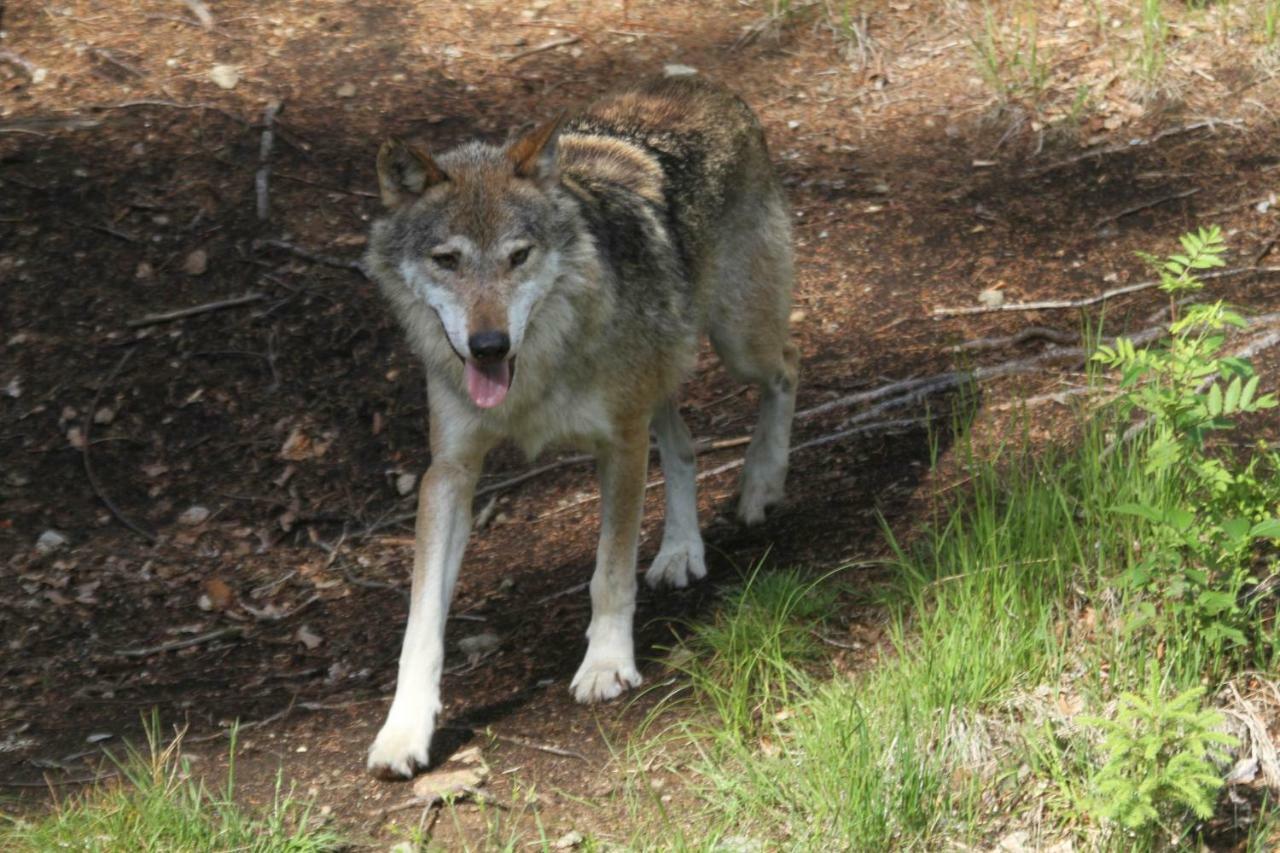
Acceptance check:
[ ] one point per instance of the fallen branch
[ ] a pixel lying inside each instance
(195, 310)
(263, 176)
(542, 48)
(1146, 205)
(1104, 150)
(87, 457)
(174, 645)
(1091, 300)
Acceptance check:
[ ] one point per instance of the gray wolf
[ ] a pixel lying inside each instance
(556, 289)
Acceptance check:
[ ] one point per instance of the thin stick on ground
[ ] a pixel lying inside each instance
(1133, 144)
(1086, 301)
(29, 68)
(542, 48)
(195, 310)
(314, 257)
(1146, 205)
(201, 11)
(87, 457)
(541, 747)
(185, 643)
(262, 180)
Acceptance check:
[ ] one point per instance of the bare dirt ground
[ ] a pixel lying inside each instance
(289, 422)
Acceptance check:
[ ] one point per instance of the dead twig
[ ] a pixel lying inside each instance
(1033, 333)
(541, 747)
(541, 48)
(1264, 249)
(263, 177)
(576, 588)
(1146, 205)
(240, 727)
(174, 645)
(87, 457)
(314, 257)
(1090, 300)
(29, 68)
(1104, 150)
(201, 11)
(267, 615)
(195, 310)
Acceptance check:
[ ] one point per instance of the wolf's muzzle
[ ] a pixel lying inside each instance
(489, 346)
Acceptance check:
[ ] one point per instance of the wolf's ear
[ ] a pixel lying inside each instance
(534, 155)
(405, 172)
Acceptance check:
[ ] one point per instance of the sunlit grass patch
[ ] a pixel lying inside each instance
(156, 805)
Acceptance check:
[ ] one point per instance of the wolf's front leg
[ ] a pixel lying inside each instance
(610, 665)
(443, 524)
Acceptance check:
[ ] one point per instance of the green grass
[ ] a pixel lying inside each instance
(942, 741)
(155, 805)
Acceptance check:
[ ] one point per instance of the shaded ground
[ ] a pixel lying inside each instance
(292, 418)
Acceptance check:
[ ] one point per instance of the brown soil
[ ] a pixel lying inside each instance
(290, 418)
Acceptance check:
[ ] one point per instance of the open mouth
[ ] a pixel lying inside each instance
(489, 382)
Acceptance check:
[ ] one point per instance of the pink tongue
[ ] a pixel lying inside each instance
(488, 383)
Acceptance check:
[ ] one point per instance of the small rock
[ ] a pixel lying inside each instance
(470, 755)
(225, 76)
(104, 415)
(478, 645)
(405, 483)
(798, 315)
(568, 841)
(194, 515)
(347, 90)
(50, 541)
(144, 272)
(13, 388)
(675, 69)
(445, 784)
(196, 263)
(991, 298)
(99, 737)
(307, 637)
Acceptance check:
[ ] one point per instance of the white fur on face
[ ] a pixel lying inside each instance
(453, 315)
(528, 294)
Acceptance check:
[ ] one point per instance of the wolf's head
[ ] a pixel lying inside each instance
(477, 234)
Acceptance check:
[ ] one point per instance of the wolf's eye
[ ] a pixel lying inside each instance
(519, 256)
(446, 260)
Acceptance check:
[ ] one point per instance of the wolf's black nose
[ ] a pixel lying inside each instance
(489, 346)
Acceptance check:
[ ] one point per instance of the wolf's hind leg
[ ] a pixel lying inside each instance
(764, 475)
(749, 322)
(681, 558)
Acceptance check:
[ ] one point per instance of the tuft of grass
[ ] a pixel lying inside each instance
(1151, 52)
(1270, 22)
(156, 805)
(744, 666)
(1010, 60)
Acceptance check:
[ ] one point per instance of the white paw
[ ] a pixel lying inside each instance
(599, 681)
(677, 564)
(400, 749)
(759, 493)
